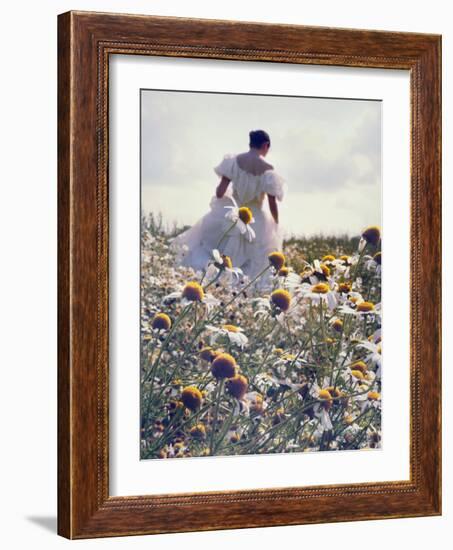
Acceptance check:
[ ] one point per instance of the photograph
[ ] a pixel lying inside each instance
(260, 297)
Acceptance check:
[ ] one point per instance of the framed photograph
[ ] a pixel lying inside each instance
(247, 212)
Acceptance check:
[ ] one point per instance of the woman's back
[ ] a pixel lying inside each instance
(253, 163)
(252, 177)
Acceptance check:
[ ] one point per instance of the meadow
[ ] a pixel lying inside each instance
(230, 366)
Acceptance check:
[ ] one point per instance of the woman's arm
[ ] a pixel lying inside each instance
(273, 207)
(222, 187)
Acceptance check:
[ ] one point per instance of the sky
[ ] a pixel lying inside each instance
(327, 150)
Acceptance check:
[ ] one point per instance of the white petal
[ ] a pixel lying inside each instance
(217, 257)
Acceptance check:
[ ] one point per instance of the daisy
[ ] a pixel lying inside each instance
(252, 402)
(371, 235)
(361, 307)
(234, 334)
(242, 217)
(315, 273)
(322, 292)
(221, 269)
(343, 265)
(367, 400)
(192, 292)
(375, 354)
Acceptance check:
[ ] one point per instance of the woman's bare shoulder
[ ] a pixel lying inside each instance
(253, 164)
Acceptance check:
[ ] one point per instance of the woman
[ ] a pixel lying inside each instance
(246, 179)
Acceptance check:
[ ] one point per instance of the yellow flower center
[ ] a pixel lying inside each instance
(193, 292)
(373, 396)
(281, 298)
(337, 325)
(161, 321)
(325, 269)
(191, 397)
(277, 260)
(344, 288)
(324, 394)
(245, 214)
(328, 258)
(283, 272)
(208, 354)
(224, 366)
(334, 392)
(231, 328)
(320, 288)
(198, 431)
(359, 365)
(365, 307)
(372, 235)
(227, 262)
(237, 386)
(357, 374)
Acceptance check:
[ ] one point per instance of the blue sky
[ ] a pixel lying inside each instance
(327, 150)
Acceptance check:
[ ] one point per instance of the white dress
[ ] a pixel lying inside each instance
(195, 245)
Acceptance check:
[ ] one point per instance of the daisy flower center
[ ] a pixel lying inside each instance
(227, 262)
(193, 292)
(224, 366)
(320, 288)
(231, 328)
(324, 394)
(245, 214)
(360, 366)
(277, 260)
(161, 321)
(372, 235)
(281, 298)
(237, 386)
(208, 354)
(365, 307)
(344, 287)
(191, 397)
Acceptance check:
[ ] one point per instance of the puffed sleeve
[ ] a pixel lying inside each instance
(225, 168)
(273, 184)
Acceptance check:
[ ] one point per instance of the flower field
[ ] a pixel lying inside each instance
(287, 362)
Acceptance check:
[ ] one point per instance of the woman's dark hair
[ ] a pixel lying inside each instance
(258, 138)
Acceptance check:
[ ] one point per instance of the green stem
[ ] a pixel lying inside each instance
(216, 413)
(225, 235)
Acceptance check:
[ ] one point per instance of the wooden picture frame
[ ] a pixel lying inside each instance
(85, 42)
